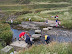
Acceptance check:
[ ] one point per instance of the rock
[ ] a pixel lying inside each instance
(35, 36)
(34, 27)
(45, 29)
(37, 31)
(50, 28)
(31, 26)
(18, 45)
(52, 25)
(7, 50)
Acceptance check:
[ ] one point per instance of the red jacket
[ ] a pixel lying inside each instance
(22, 34)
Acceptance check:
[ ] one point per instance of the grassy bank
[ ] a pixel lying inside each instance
(52, 48)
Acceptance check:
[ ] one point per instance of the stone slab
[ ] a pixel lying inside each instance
(50, 28)
(18, 45)
(37, 31)
(36, 36)
(7, 50)
(45, 29)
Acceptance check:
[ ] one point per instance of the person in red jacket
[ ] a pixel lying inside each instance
(21, 36)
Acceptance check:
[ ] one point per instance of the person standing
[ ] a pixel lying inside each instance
(56, 16)
(56, 22)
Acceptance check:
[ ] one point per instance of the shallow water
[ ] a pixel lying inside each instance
(17, 32)
(59, 38)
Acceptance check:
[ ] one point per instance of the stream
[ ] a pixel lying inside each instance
(61, 36)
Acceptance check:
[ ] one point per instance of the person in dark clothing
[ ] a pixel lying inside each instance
(47, 39)
(57, 20)
(28, 39)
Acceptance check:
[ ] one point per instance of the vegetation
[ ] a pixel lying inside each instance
(52, 48)
(1, 45)
(37, 10)
(29, 1)
(5, 33)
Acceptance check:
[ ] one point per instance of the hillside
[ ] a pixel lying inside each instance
(30, 1)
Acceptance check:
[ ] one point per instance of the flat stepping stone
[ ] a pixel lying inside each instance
(45, 29)
(18, 45)
(52, 25)
(37, 31)
(35, 36)
(50, 28)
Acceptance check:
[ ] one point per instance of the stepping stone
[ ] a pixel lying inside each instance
(36, 36)
(45, 29)
(18, 45)
(38, 31)
(52, 25)
(50, 28)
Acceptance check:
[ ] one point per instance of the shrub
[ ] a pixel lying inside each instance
(67, 24)
(4, 27)
(5, 33)
(6, 36)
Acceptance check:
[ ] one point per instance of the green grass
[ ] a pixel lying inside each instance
(64, 16)
(12, 7)
(29, 7)
(51, 0)
(49, 5)
(52, 48)
(33, 16)
(7, 2)
(40, 11)
(1, 46)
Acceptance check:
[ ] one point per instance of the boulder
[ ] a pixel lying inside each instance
(7, 50)
(36, 36)
(37, 31)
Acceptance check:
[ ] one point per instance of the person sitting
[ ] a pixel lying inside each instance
(27, 40)
(47, 39)
(21, 36)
